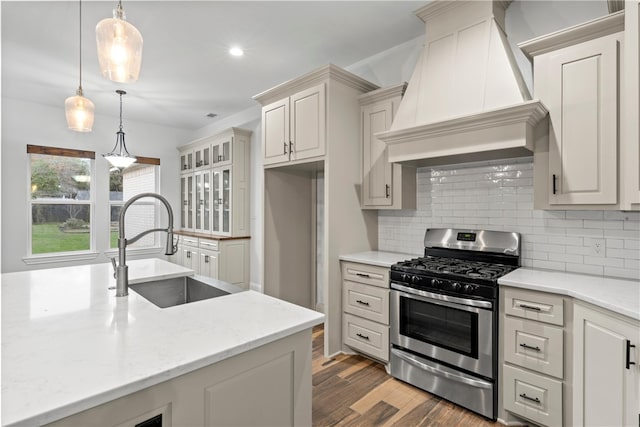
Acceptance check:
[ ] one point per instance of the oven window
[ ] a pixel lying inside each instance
(446, 327)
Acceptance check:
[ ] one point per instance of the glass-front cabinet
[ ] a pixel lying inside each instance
(202, 220)
(221, 151)
(221, 201)
(214, 182)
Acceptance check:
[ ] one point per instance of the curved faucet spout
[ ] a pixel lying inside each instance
(122, 271)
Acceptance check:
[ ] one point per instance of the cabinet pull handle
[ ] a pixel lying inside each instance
(528, 347)
(362, 302)
(188, 254)
(362, 275)
(387, 190)
(553, 178)
(524, 396)
(285, 148)
(290, 147)
(529, 307)
(220, 158)
(364, 337)
(186, 202)
(201, 202)
(629, 346)
(184, 167)
(206, 258)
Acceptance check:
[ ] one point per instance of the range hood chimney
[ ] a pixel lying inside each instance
(466, 100)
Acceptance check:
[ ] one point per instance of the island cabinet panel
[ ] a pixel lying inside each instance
(269, 385)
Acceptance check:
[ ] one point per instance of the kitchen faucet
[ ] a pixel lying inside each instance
(122, 270)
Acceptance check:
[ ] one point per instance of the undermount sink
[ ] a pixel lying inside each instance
(179, 290)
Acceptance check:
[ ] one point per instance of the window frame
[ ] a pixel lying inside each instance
(87, 254)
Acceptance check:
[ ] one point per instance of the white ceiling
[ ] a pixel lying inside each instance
(186, 69)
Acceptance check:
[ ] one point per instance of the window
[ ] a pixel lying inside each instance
(61, 200)
(141, 177)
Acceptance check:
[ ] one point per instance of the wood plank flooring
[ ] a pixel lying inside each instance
(355, 391)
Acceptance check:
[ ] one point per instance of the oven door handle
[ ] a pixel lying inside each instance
(442, 297)
(413, 360)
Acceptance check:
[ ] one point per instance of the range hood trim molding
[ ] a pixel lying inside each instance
(502, 133)
(530, 112)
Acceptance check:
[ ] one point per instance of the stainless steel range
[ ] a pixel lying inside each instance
(444, 315)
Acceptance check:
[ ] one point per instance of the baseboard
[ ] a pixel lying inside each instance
(256, 287)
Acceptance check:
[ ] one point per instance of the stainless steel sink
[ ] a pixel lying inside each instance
(179, 290)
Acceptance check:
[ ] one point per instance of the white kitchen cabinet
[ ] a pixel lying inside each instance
(606, 368)
(630, 101)
(186, 160)
(532, 349)
(384, 185)
(225, 259)
(577, 76)
(365, 303)
(215, 195)
(293, 128)
(312, 212)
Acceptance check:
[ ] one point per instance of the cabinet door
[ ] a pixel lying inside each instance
(190, 258)
(583, 142)
(186, 161)
(275, 132)
(208, 264)
(222, 152)
(377, 178)
(186, 192)
(221, 202)
(606, 387)
(202, 157)
(308, 119)
(202, 220)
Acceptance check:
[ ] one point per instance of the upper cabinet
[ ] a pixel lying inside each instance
(293, 128)
(579, 75)
(215, 189)
(384, 185)
(630, 99)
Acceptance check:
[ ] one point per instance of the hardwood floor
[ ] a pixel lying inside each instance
(355, 391)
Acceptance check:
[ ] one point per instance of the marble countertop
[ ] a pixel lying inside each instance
(379, 258)
(618, 295)
(68, 344)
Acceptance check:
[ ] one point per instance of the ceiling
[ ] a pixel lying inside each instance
(186, 69)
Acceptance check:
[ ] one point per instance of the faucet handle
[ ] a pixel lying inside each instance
(113, 263)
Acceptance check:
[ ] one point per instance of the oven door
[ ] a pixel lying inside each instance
(455, 331)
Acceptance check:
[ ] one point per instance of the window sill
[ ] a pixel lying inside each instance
(63, 257)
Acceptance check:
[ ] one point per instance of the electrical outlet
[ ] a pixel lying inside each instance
(598, 247)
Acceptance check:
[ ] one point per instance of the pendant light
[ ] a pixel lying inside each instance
(119, 48)
(78, 109)
(119, 157)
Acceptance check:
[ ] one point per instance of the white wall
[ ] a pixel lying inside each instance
(27, 123)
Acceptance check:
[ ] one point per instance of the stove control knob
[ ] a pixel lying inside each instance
(404, 277)
(436, 283)
(456, 286)
(415, 279)
(467, 289)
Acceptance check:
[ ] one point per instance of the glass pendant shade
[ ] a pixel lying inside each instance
(80, 112)
(119, 48)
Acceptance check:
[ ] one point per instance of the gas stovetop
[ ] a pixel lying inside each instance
(456, 268)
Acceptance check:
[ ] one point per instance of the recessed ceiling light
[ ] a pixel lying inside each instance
(236, 51)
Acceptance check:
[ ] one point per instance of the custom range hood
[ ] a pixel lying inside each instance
(466, 100)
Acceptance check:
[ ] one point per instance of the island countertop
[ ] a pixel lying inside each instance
(68, 344)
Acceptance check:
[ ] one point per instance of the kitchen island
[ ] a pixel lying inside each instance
(72, 352)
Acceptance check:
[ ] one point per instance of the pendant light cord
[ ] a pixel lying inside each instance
(80, 12)
(120, 93)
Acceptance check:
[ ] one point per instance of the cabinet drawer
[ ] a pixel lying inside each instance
(538, 306)
(189, 241)
(532, 396)
(534, 345)
(367, 274)
(211, 245)
(366, 336)
(370, 302)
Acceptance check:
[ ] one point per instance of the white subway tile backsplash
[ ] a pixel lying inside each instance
(498, 195)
